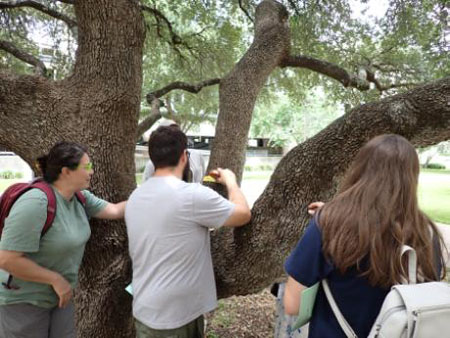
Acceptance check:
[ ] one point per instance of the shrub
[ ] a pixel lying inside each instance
(435, 166)
(265, 167)
(18, 175)
(7, 174)
(141, 169)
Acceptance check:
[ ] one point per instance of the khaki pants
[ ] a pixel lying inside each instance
(194, 329)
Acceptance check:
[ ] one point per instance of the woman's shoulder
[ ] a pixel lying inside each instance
(33, 194)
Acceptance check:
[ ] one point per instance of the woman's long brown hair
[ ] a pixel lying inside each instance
(376, 212)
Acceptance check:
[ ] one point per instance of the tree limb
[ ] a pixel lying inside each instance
(154, 116)
(371, 78)
(69, 2)
(192, 88)
(24, 56)
(245, 11)
(175, 38)
(310, 172)
(40, 7)
(326, 68)
(340, 74)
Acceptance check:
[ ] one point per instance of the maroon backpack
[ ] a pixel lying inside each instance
(16, 190)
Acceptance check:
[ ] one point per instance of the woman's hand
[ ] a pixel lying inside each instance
(314, 206)
(63, 290)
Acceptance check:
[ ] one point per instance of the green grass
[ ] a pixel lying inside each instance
(4, 184)
(434, 191)
(436, 171)
(257, 175)
(434, 194)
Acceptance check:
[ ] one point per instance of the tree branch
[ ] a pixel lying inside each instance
(154, 116)
(175, 38)
(340, 74)
(192, 88)
(310, 172)
(371, 78)
(24, 56)
(69, 2)
(326, 68)
(245, 11)
(40, 7)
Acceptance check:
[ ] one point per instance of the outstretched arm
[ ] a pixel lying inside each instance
(112, 211)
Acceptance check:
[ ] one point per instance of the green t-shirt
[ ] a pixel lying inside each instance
(60, 249)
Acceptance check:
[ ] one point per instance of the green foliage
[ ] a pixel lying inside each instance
(213, 40)
(434, 166)
(40, 35)
(409, 45)
(285, 123)
(7, 174)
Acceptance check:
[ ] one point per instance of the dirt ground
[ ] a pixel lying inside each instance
(243, 317)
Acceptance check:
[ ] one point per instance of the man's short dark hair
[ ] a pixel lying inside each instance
(166, 145)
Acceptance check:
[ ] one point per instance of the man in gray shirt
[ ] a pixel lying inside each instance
(167, 224)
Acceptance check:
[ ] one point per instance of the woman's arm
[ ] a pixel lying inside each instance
(292, 294)
(21, 267)
(112, 211)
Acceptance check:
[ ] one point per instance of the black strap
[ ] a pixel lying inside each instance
(8, 285)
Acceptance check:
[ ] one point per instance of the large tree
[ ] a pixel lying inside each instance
(98, 104)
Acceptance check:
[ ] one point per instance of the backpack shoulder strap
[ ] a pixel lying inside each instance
(412, 263)
(51, 203)
(345, 326)
(81, 198)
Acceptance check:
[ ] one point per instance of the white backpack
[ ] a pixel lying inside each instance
(409, 310)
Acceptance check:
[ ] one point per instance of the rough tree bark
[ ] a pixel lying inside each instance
(97, 105)
(239, 89)
(249, 258)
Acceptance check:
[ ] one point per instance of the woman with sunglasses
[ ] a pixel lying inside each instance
(37, 302)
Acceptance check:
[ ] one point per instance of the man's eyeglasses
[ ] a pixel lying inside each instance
(86, 166)
(188, 154)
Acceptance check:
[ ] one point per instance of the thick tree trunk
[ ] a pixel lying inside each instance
(108, 78)
(250, 258)
(98, 106)
(240, 88)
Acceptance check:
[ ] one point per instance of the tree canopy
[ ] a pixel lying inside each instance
(198, 40)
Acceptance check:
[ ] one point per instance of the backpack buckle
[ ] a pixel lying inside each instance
(10, 287)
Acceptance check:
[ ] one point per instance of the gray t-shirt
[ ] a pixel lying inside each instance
(196, 164)
(167, 224)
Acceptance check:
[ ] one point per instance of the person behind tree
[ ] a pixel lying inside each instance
(168, 223)
(356, 240)
(38, 303)
(194, 172)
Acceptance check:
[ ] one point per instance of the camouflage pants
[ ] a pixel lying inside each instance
(194, 329)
